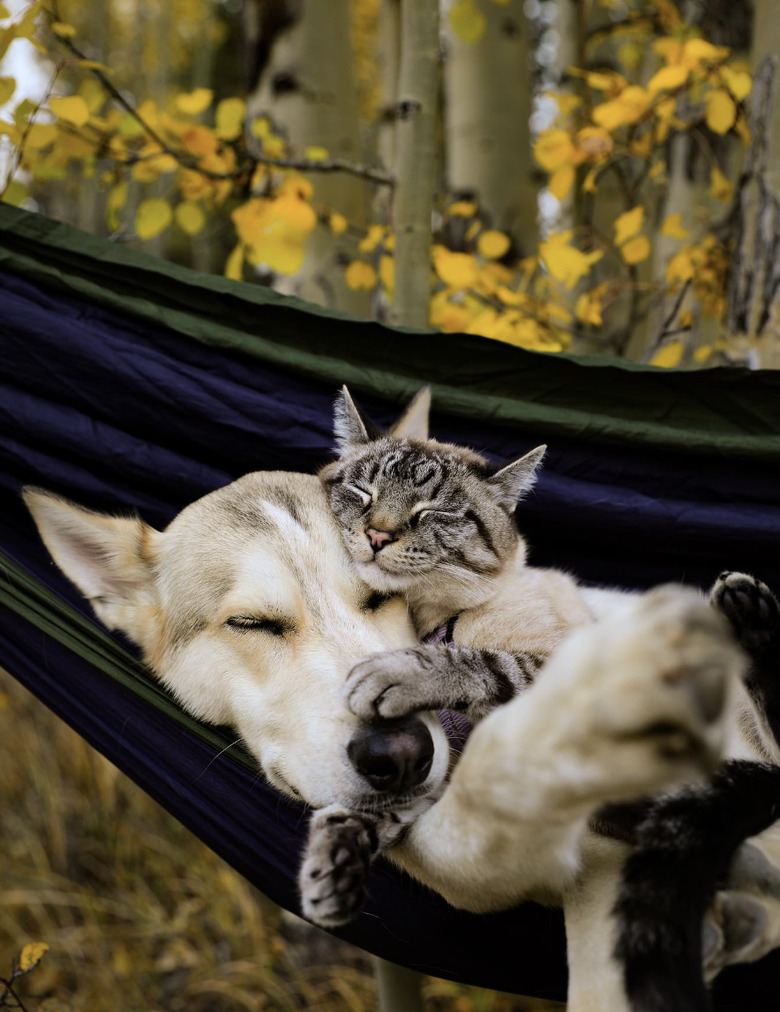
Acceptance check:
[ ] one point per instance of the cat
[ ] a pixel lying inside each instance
(435, 522)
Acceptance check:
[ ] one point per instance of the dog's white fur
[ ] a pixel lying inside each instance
(645, 699)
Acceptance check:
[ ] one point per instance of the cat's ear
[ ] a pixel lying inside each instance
(414, 421)
(514, 480)
(350, 426)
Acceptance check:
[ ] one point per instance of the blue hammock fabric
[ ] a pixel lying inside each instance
(117, 406)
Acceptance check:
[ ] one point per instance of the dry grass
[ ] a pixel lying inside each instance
(139, 915)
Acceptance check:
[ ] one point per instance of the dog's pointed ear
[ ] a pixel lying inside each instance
(513, 481)
(351, 427)
(109, 559)
(414, 421)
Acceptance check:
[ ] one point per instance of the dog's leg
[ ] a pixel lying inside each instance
(430, 677)
(340, 847)
(683, 850)
(754, 614)
(627, 707)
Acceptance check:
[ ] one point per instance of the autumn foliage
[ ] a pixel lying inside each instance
(217, 162)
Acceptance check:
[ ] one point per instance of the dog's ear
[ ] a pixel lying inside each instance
(414, 421)
(514, 480)
(350, 426)
(109, 559)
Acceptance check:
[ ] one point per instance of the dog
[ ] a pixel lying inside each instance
(247, 608)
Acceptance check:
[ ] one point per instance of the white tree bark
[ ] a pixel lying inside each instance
(488, 105)
(416, 160)
(307, 89)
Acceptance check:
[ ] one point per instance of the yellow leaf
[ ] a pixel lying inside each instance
(631, 55)
(467, 21)
(669, 49)
(669, 356)
(338, 223)
(589, 184)
(553, 148)
(561, 181)
(190, 217)
(73, 109)
(721, 111)
(7, 88)
(702, 353)
(720, 187)
(627, 108)
(230, 118)
(456, 270)
(588, 309)
(462, 209)
(152, 217)
(117, 197)
(315, 154)
(295, 213)
(680, 267)
(64, 30)
(15, 193)
(283, 254)
(93, 93)
(94, 65)
(234, 264)
(387, 271)
(566, 263)
(41, 134)
(360, 275)
(672, 227)
(493, 244)
(739, 82)
(4, 12)
(200, 140)
(668, 78)
(372, 239)
(698, 51)
(31, 954)
(193, 102)
(628, 223)
(594, 142)
(636, 250)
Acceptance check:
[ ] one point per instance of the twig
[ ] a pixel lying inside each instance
(25, 133)
(666, 330)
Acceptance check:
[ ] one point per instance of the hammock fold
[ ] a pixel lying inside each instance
(129, 382)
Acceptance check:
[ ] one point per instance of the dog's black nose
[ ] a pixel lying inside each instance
(394, 755)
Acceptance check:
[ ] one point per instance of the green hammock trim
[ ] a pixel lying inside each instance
(605, 400)
(42, 608)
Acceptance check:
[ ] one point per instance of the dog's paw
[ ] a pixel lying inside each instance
(333, 879)
(653, 686)
(750, 607)
(391, 685)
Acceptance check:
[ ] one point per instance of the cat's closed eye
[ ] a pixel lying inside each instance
(363, 494)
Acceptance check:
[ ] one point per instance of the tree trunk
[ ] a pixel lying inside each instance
(306, 87)
(416, 160)
(488, 105)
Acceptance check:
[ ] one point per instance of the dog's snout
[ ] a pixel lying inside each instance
(379, 539)
(393, 756)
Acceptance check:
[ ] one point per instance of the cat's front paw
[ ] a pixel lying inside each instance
(750, 607)
(390, 685)
(333, 879)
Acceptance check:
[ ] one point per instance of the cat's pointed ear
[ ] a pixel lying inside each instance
(110, 559)
(514, 480)
(414, 421)
(350, 426)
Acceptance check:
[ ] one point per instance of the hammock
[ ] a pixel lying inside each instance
(126, 381)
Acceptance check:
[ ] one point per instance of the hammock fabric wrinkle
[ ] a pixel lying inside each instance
(128, 382)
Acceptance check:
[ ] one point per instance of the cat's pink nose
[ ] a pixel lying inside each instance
(379, 539)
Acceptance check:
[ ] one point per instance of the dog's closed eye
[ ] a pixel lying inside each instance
(260, 623)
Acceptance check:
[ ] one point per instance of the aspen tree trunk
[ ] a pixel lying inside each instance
(416, 160)
(766, 43)
(753, 313)
(307, 89)
(488, 91)
(389, 62)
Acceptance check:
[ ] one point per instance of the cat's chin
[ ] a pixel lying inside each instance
(377, 578)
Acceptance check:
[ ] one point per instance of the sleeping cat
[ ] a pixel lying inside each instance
(436, 522)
